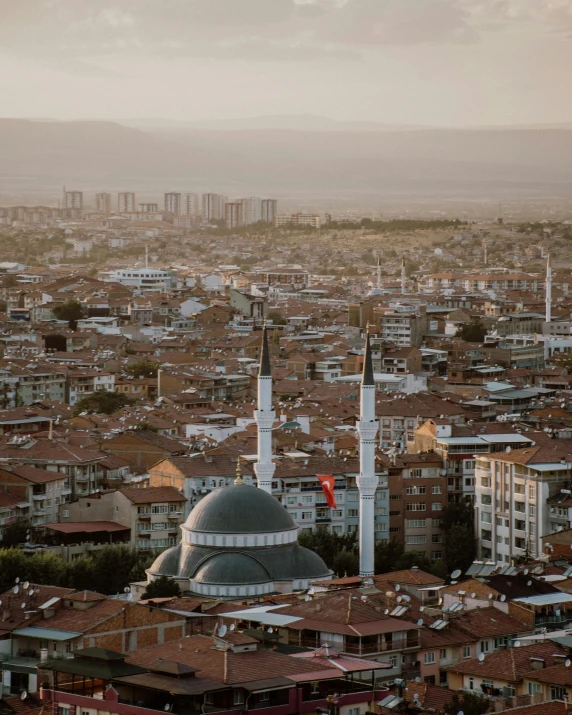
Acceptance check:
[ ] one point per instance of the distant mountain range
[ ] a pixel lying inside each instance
(300, 154)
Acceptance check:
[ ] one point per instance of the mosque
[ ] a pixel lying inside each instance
(240, 541)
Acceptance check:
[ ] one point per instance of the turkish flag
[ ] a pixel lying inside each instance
(328, 483)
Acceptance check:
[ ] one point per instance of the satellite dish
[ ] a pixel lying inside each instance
(456, 573)
(490, 596)
(389, 594)
(481, 657)
(397, 587)
(23, 605)
(17, 579)
(167, 707)
(232, 627)
(386, 611)
(16, 589)
(567, 662)
(529, 583)
(399, 599)
(24, 695)
(126, 589)
(525, 572)
(473, 594)
(422, 609)
(222, 631)
(503, 598)
(417, 679)
(420, 622)
(26, 585)
(516, 644)
(271, 630)
(31, 592)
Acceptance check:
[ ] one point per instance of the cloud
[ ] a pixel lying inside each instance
(254, 30)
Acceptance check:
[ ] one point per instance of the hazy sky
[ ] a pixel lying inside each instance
(442, 62)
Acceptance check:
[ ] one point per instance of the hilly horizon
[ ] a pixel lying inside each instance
(464, 162)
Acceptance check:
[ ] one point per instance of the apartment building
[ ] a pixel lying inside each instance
(191, 204)
(459, 445)
(103, 203)
(234, 214)
(142, 279)
(126, 202)
(403, 329)
(20, 388)
(173, 202)
(251, 209)
(514, 493)
(73, 200)
(268, 210)
(81, 383)
(40, 492)
(213, 206)
(297, 219)
(149, 208)
(154, 515)
(417, 497)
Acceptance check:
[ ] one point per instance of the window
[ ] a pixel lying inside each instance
(436, 555)
(416, 506)
(519, 524)
(436, 506)
(519, 488)
(533, 688)
(394, 512)
(429, 658)
(531, 529)
(557, 693)
(443, 654)
(531, 510)
(393, 661)
(66, 513)
(519, 506)
(353, 512)
(531, 493)
(415, 490)
(499, 521)
(337, 513)
(416, 473)
(420, 539)
(63, 710)
(485, 482)
(486, 499)
(307, 499)
(264, 697)
(520, 543)
(487, 517)
(436, 523)
(471, 684)
(415, 523)
(238, 697)
(436, 490)
(436, 538)
(354, 711)
(466, 651)
(486, 535)
(307, 515)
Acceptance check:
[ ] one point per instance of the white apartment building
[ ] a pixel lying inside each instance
(213, 206)
(73, 200)
(103, 203)
(173, 202)
(143, 279)
(191, 204)
(404, 329)
(268, 210)
(126, 202)
(298, 219)
(512, 508)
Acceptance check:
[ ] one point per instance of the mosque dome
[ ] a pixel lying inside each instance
(239, 541)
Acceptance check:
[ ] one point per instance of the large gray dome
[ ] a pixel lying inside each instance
(239, 509)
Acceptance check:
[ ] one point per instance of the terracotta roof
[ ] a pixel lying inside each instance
(153, 495)
(77, 527)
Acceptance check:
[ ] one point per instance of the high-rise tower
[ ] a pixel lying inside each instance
(403, 278)
(264, 416)
(548, 290)
(367, 479)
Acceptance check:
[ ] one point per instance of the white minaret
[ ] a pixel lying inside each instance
(379, 272)
(403, 278)
(548, 290)
(367, 479)
(264, 417)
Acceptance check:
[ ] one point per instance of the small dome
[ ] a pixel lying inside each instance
(232, 569)
(239, 509)
(167, 563)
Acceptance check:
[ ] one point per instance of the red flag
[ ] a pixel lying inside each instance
(328, 483)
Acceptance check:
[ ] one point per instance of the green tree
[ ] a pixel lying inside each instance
(467, 703)
(15, 533)
(71, 311)
(143, 368)
(327, 545)
(472, 332)
(102, 402)
(346, 563)
(276, 317)
(162, 587)
(457, 524)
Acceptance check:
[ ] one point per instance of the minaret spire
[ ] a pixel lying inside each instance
(379, 272)
(548, 290)
(367, 479)
(264, 416)
(403, 277)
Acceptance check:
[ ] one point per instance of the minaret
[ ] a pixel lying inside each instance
(403, 278)
(367, 479)
(379, 272)
(548, 290)
(264, 417)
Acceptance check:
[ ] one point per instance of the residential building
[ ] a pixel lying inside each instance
(297, 219)
(268, 210)
(142, 279)
(191, 204)
(234, 214)
(213, 207)
(126, 202)
(173, 203)
(73, 200)
(103, 203)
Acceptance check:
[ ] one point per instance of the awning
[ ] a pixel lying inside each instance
(49, 634)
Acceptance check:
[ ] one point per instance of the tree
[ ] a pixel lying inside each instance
(15, 533)
(143, 368)
(457, 524)
(346, 563)
(162, 587)
(71, 311)
(102, 402)
(327, 545)
(276, 317)
(472, 332)
(467, 703)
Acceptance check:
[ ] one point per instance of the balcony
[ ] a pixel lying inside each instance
(323, 520)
